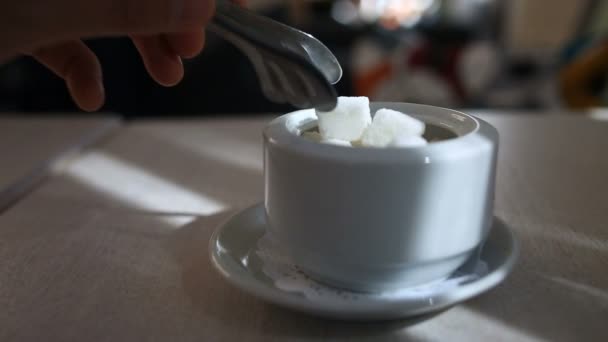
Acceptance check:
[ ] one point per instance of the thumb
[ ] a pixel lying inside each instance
(66, 19)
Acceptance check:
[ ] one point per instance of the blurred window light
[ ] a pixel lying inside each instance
(345, 12)
(393, 14)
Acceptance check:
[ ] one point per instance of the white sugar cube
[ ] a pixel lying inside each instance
(408, 141)
(337, 142)
(313, 136)
(316, 137)
(347, 121)
(389, 124)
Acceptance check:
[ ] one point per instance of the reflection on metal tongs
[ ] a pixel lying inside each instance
(292, 66)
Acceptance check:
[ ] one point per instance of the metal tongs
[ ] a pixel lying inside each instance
(292, 66)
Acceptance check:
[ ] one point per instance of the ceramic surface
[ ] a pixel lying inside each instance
(374, 219)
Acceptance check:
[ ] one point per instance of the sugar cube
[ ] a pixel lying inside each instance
(389, 124)
(313, 136)
(408, 141)
(347, 121)
(337, 142)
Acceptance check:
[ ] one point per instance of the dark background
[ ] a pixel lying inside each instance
(221, 80)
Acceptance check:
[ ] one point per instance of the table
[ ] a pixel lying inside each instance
(115, 246)
(30, 148)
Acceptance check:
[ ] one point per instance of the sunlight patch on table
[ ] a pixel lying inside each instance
(457, 324)
(600, 113)
(141, 189)
(566, 235)
(218, 146)
(579, 287)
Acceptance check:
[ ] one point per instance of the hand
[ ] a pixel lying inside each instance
(51, 31)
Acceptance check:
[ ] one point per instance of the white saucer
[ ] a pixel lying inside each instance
(253, 262)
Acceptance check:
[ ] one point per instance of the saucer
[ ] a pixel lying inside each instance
(251, 260)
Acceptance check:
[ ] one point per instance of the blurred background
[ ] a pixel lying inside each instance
(520, 55)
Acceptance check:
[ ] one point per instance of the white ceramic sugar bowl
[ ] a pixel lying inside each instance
(371, 219)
